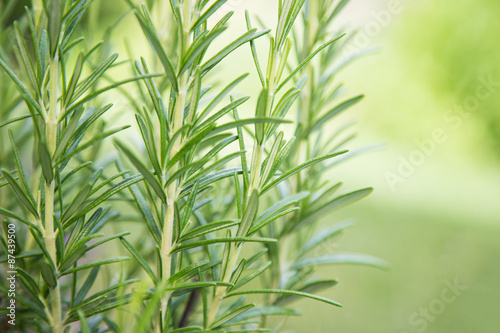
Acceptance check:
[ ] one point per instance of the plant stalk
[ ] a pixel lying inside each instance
(255, 169)
(180, 103)
(171, 188)
(49, 236)
(220, 291)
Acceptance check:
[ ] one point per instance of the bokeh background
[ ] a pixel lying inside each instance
(432, 85)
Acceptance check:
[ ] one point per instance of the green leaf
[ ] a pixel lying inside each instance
(254, 51)
(13, 120)
(271, 219)
(98, 92)
(86, 122)
(83, 323)
(199, 47)
(214, 151)
(188, 145)
(341, 258)
(249, 215)
(84, 289)
(188, 208)
(332, 113)
(253, 330)
(75, 170)
(281, 205)
(283, 154)
(54, 25)
(78, 200)
(206, 14)
(208, 228)
(46, 162)
(194, 285)
(23, 254)
(20, 169)
(109, 193)
(69, 133)
(185, 246)
(322, 195)
(29, 284)
(246, 37)
(188, 329)
(25, 199)
(310, 287)
(72, 258)
(266, 311)
(107, 239)
(225, 110)
(33, 307)
(226, 255)
(244, 162)
(74, 150)
(146, 213)
(323, 235)
(299, 168)
(285, 15)
(70, 90)
(10, 214)
(26, 59)
(336, 203)
(242, 122)
(90, 81)
(48, 274)
(214, 166)
(150, 32)
(220, 97)
(261, 113)
(107, 305)
(140, 259)
(28, 98)
(226, 317)
(306, 61)
(256, 257)
(283, 292)
(235, 276)
(187, 272)
(185, 169)
(268, 163)
(94, 264)
(251, 276)
(283, 107)
(195, 97)
(213, 177)
(105, 291)
(149, 143)
(148, 176)
(239, 196)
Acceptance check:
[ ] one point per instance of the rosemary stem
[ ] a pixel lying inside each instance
(220, 291)
(178, 119)
(49, 236)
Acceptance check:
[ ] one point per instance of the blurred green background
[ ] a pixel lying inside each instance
(432, 98)
(435, 214)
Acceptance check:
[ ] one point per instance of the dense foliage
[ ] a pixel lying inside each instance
(177, 232)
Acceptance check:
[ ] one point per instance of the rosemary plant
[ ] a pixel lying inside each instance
(217, 199)
(57, 200)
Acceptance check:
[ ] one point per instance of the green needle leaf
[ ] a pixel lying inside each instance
(284, 292)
